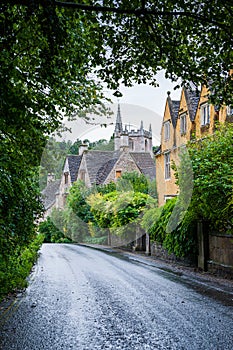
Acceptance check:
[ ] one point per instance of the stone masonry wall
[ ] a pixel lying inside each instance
(125, 163)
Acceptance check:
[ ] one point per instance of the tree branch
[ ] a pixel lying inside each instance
(137, 12)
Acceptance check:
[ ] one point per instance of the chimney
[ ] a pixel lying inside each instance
(50, 178)
(82, 148)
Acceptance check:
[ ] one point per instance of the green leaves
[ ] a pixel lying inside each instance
(117, 209)
(113, 205)
(212, 163)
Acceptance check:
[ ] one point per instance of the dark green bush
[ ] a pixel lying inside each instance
(181, 241)
(15, 268)
(51, 232)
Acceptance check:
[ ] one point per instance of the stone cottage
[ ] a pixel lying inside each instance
(132, 152)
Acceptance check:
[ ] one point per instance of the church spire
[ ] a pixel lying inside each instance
(118, 126)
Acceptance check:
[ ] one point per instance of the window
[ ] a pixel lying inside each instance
(183, 123)
(167, 165)
(131, 145)
(229, 110)
(171, 196)
(166, 131)
(66, 178)
(118, 174)
(205, 114)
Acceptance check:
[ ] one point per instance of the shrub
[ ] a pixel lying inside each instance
(182, 240)
(15, 268)
(50, 228)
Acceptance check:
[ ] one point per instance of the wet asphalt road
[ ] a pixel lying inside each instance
(80, 298)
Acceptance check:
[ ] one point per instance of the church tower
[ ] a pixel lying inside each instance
(139, 140)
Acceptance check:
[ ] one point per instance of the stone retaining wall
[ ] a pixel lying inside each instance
(160, 253)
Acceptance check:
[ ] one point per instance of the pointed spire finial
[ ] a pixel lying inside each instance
(118, 127)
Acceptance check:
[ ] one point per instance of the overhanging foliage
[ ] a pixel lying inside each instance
(132, 40)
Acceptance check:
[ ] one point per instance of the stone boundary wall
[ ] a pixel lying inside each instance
(220, 254)
(159, 252)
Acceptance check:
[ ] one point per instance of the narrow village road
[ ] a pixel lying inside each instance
(83, 299)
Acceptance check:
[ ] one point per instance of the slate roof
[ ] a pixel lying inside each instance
(49, 194)
(74, 162)
(145, 163)
(192, 98)
(99, 164)
(96, 161)
(174, 109)
(104, 171)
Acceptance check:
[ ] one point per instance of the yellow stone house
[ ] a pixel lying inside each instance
(189, 118)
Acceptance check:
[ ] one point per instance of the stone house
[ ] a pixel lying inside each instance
(49, 194)
(132, 152)
(192, 117)
(189, 118)
(177, 129)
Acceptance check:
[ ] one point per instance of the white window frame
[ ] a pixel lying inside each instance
(167, 165)
(229, 111)
(205, 114)
(183, 123)
(171, 196)
(166, 130)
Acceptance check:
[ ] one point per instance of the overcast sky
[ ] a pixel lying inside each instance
(141, 102)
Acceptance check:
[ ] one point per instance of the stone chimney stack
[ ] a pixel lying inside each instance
(50, 178)
(82, 148)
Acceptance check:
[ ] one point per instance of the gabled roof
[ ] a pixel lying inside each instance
(96, 161)
(105, 170)
(174, 109)
(145, 163)
(49, 194)
(192, 98)
(74, 162)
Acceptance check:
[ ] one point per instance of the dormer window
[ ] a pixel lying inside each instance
(183, 124)
(166, 131)
(205, 114)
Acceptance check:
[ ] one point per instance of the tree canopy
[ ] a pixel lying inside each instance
(130, 41)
